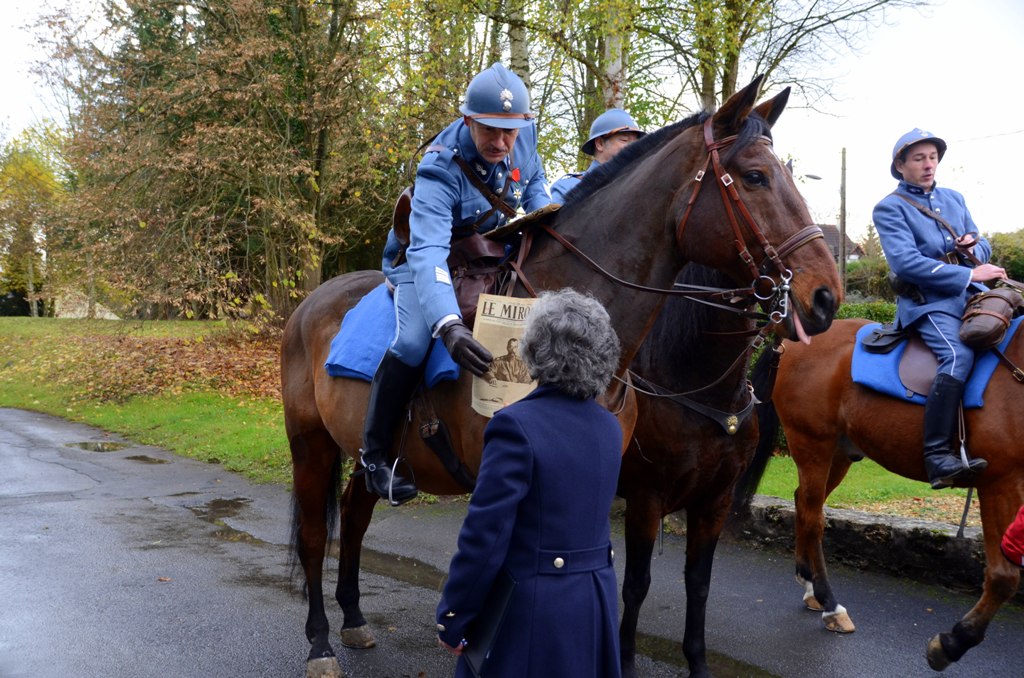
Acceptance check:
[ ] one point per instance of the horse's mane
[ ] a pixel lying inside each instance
(753, 128)
(678, 342)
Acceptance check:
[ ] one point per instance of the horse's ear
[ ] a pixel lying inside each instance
(734, 111)
(771, 109)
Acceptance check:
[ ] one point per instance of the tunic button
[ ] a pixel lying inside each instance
(559, 563)
(613, 553)
(441, 628)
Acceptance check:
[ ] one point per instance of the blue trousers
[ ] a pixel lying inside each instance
(412, 335)
(941, 332)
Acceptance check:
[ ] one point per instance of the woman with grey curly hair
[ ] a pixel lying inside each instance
(538, 520)
(569, 343)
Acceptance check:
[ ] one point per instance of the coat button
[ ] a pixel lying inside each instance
(441, 628)
(559, 563)
(612, 552)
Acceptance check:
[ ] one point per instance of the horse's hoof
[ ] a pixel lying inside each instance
(812, 603)
(324, 667)
(838, 621)
(358, 638)
(935, 655)
(809, 600)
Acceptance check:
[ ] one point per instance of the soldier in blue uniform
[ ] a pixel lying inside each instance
(935, 276)
(496, 137)
(610, 132)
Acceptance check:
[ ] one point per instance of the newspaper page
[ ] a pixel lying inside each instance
(499, 325)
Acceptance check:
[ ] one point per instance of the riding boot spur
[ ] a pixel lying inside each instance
(392, 386)
(945, 465)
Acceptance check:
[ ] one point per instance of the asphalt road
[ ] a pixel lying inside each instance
(123, 560)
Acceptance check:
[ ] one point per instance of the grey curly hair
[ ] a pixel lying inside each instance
(569, 342)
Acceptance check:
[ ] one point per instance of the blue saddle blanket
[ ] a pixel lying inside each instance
(366, 332)
(880, 371)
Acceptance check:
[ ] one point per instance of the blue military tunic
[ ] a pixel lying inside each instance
(913, 244)
(540, 511)
(444, 201)
(561, 188)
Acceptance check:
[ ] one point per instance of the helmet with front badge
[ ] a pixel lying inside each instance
(497, 97)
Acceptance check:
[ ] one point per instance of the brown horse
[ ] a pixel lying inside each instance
(830, 422)
(636, 230)
(694, 436)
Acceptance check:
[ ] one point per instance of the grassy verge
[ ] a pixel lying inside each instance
(199, 389)
(208, 391)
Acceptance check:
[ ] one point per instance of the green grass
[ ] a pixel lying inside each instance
(865, 485)
(246, 436)
(40, 370)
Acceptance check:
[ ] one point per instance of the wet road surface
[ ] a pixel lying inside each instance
(123, 560)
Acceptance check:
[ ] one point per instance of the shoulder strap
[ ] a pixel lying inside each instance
(927, 211)
(497, 201)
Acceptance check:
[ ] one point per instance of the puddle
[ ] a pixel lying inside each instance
(92, 446)
(145, 459)
(217, 510)
(408, 570)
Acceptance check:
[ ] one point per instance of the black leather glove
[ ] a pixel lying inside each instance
(465, 350)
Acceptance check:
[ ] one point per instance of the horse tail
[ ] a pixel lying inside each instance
(763, 379)
(330, 518)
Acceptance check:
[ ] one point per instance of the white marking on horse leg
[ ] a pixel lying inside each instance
(809, 600)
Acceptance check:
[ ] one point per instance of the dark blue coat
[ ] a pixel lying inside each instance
(540, 510)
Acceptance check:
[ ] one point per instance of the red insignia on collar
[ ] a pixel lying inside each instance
(515, 174)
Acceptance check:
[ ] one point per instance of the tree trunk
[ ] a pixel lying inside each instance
(519, 44)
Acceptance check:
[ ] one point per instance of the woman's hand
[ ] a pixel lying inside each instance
(457, 650)
(986, 272)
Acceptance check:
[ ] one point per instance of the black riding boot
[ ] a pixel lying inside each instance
(941, 453)
(390, 390)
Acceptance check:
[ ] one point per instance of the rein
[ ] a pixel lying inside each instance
(763, 288)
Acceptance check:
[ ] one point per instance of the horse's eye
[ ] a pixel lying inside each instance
(755, 178)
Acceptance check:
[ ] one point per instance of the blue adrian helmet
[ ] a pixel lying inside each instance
(611, 121)
(912, 137)
(498, 98)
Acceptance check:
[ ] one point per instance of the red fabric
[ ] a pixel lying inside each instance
(1013, 540)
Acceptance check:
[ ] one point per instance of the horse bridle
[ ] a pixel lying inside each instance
(776, 293)
(763, 288)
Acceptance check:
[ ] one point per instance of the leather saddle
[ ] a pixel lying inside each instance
(917, 366)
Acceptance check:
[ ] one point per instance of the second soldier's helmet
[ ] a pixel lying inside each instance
(912, 137)
(497, 97)
(610, 122)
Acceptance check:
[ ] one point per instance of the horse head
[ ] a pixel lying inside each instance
(775, 245)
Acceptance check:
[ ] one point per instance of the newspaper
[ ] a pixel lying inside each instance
(499, 325)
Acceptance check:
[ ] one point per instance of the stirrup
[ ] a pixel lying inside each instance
(370, 468)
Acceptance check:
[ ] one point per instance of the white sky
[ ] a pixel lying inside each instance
(950, 68)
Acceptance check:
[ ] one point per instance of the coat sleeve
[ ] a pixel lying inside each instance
(484, 539)
(915, 261)
(430, 234)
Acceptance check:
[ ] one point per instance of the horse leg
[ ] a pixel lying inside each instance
(1001, 581)
(315, 460)
(819, 474)
(356, 511)
(641, 527)
(703, 527)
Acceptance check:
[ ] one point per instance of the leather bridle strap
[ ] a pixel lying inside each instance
(733, 203)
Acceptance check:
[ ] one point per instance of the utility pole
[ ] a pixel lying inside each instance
(842, 223)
